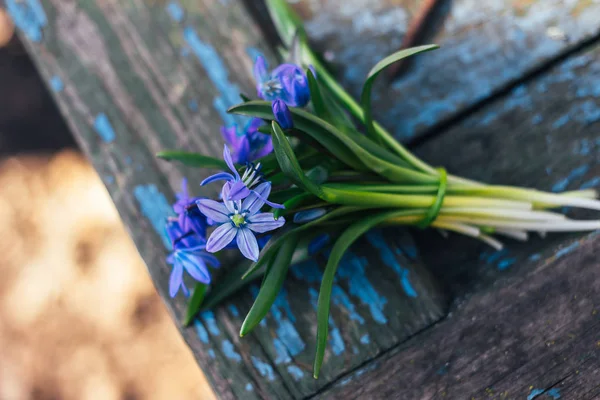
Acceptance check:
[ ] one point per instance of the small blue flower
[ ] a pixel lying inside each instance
(287, 82)
(241, 186)
(189, 254)
(249, 146)
(282, 114)
(239, 220)
(189, 217)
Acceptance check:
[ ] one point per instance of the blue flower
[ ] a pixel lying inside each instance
(240, 186)
(189, 254)
(287, 82)
(239, 220)
(190, 219)
(249, 146)
(282, 114)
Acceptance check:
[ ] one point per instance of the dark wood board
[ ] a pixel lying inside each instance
(135, 77)
(535, 335)
(525, 319)
(485, 46)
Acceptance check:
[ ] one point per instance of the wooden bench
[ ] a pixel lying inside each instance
(515, 87)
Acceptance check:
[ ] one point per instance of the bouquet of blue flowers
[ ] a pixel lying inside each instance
(312, 169)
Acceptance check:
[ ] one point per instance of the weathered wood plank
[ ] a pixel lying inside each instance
(537, 334)
(544, 134)
(136, 77)
(506, 338)
(486, 44)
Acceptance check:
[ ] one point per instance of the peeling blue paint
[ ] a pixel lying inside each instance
(281, 352)
(104, 128)
(535, 257)
(209, 318)
(576, 173)
(365, 339)
(233, 310)
(288, 334)
(339, 297)
(335, 337)
(537, 119)
(307, 271)
(281, 302)
(296, 372)
(229, 351)
(175, 11)
(584, 147)
(567, 250)
(217, 71)
(535, 393)
(193, 105)
(201, 332)
(353, 268)
(56, 84)
(249, 387)
(263, 368)
(554, 393)
(109, 179)
(592, 183)
(560, 122)
(156, 208)
(185, 51)
(386, 254)
(128, 160)
(211, 353)
(507, 262)
(29, 17)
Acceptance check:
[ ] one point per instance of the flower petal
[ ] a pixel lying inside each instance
(230, 135)
(213, 210)
(210, 259)
(260, 70)
(231, 205)
(221, 176)
(229, 161)
(266, 149)
(247, 244)
(242, 151)
(238, 191)
(254, 202)
(176, 279)
(195, 266)
(265, 222)
(220, 237)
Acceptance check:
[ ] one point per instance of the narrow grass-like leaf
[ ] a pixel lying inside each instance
(192, 159)
(292, 203)
(288, 162)
(195, 303)
(340, 144)
(271, 286)
(316, 98)
(346, 239)
(286, 21)
(365, 98)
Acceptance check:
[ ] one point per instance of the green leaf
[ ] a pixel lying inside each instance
(353, 149)
(346, 239)
(271, 286)
(292, 203)
(316, 98)
(244, 98)
(289, 164)
(286, 21)
(195, 303)
(365, 98)
(192, 159)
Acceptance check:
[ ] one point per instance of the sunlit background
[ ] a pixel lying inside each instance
(79, 316)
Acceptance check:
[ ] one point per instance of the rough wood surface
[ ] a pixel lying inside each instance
(486, 44)
(135, 77)
(537, 335)
(534, 327)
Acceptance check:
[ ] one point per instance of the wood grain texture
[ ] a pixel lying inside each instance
(485, 45)
(135, 77)
(535, 335)
(532, 321)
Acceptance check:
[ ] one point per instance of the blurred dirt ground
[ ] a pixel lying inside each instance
(79, 316)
